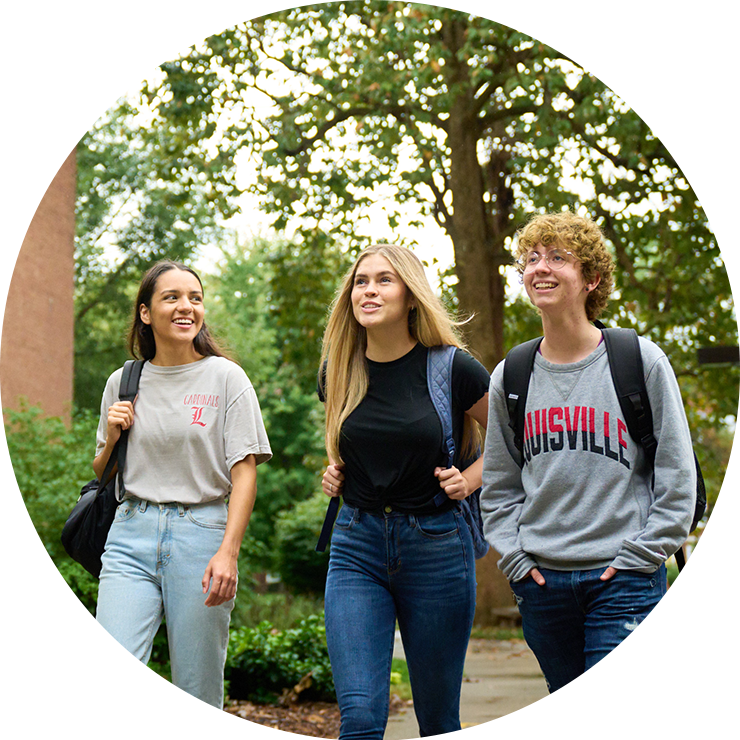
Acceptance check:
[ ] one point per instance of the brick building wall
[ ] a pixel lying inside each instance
(36, 354)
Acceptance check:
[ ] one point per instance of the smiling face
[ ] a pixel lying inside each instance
(555, 283)
(176, 309)
(379, 296)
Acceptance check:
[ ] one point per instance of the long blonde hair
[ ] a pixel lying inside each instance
(343, 362)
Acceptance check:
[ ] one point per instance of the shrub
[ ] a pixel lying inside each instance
(263, 661)
(51, 463)
(159, 660)
(83, 585)
(281, 610)
(301, 568)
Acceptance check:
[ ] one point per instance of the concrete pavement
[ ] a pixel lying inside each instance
(501, 676)
(504, 691)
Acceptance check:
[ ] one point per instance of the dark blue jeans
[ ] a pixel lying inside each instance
(575, 619)
(421, 572)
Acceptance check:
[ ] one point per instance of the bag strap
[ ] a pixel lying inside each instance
(517, 372)
(439, 384)
(333, 509)
(328, 525)
(127, 391)
(625, 365)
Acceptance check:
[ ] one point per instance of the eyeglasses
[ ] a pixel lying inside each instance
(556, 258)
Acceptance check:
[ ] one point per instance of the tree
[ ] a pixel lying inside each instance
(145, 192)
(270, 304)
(443, 114)
(477, 125)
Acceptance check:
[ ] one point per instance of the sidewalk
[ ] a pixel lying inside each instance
(504, 691)
(500, 677)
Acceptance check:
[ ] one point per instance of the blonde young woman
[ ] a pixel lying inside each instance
(395, 555)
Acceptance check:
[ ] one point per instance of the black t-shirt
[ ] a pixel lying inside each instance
(393, 440)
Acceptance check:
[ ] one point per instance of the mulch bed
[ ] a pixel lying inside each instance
(315, 719)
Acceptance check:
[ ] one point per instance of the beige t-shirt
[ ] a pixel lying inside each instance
(192, 423)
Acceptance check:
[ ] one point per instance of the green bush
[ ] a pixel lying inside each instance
(400, 681)
(262, 661)
(83, 585)
(51, 463)
(301, 568)
(159, 660)
(282, 610)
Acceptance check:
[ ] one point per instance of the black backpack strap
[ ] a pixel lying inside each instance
(625, 364)
(130, 380)
(127, 391)
(328, 525)
(517, 371)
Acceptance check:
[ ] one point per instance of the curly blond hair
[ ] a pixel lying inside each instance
(581, 236)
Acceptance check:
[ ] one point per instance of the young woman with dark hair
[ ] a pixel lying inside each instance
(196, 437)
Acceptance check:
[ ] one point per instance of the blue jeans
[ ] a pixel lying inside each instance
(153, 564)
(419, 570)
(575, 619)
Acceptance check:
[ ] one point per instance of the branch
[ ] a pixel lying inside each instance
(659, 152)
(258, 39)
(500, 70)
(440, 213)
(112, 279)
(623, 259)
(685, 372)
(110, 217)
(323, 129)
(501, 114)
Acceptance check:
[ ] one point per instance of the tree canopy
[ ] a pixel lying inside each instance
(475, 124)
(145, 191)
(342, 111)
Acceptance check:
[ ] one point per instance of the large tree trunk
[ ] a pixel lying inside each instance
(481, 286)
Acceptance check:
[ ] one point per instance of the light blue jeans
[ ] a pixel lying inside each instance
(419, 570)
(153, 565)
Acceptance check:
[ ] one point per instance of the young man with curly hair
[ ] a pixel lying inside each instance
(582, 528)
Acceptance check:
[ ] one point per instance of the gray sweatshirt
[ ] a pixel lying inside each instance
(584, 499)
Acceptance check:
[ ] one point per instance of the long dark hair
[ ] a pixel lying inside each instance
(141, 342)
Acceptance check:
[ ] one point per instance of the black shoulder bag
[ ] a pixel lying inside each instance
(86, 529)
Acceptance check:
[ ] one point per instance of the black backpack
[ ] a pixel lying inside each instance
(86, 530)
(625, 363)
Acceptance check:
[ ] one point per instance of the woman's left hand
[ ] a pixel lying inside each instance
(221, 576)
(453, 483)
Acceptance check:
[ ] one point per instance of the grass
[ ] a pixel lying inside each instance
(282, 610)
(497, 633)
(400, 684)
